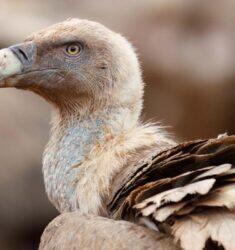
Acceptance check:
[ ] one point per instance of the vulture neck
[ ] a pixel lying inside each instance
(84, 157)
(74, 145)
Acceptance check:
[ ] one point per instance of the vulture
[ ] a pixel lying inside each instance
(108, 173)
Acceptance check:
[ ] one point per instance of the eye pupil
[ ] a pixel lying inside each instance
(73, 49)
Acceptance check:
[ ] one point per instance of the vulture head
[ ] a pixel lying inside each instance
(75, 65)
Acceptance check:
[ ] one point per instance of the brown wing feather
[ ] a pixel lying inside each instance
(184, 191)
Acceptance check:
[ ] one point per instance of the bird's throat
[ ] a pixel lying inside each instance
(73, 142)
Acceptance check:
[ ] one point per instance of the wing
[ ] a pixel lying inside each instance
(188, 191)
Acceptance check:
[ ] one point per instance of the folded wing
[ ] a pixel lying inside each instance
(188, 192)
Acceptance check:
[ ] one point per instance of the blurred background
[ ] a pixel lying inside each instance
(187, 50)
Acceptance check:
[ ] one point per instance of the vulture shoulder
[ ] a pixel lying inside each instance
(88, 232)
(187, 191)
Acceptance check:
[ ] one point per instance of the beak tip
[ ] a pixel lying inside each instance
(9, 64)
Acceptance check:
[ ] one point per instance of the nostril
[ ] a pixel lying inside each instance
(23, 54)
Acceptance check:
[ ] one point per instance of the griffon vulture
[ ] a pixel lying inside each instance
(102, 160)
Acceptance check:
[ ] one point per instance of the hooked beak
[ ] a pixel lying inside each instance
(14, 61)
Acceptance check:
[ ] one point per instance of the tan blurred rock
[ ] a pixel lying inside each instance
(24, 207)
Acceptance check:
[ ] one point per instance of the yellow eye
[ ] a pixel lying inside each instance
(73, 49)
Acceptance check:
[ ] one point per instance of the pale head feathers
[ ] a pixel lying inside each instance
(106, 74)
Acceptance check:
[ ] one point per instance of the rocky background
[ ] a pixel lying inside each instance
(187, 49)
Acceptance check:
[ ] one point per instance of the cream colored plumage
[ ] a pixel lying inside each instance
(102, 160)
(79, 231)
